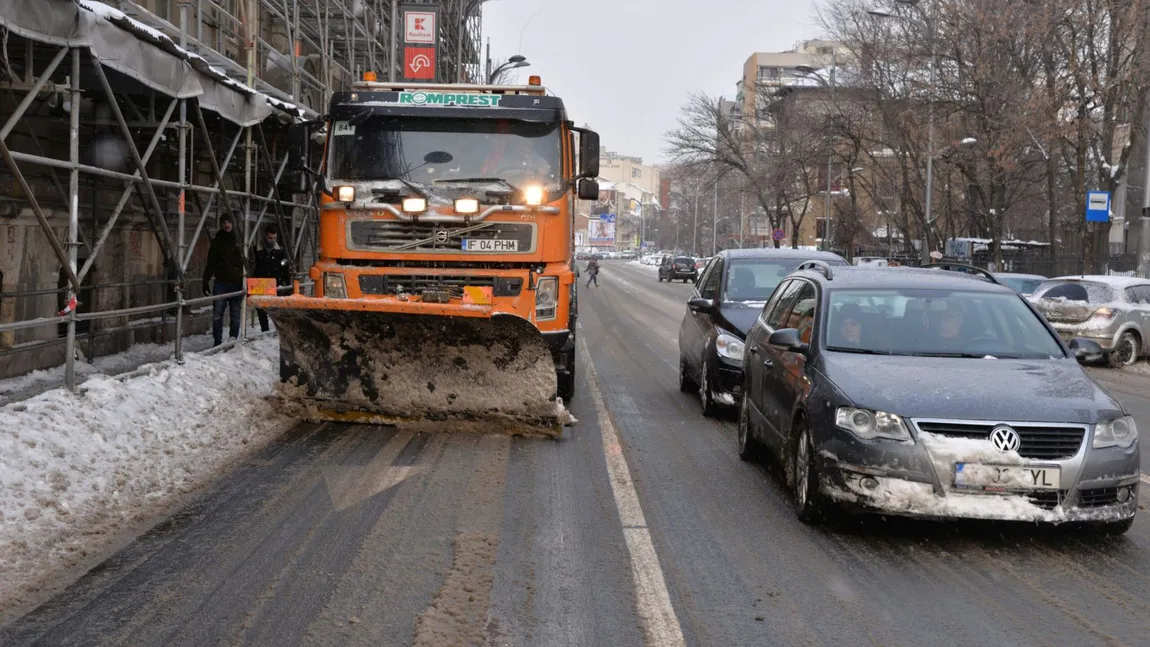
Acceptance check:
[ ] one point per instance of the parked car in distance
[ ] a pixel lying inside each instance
(925, 393)
(871, 261)
(1111, 310)
(727, 297)
(1024, 284)
(678, 268)
(701, 262)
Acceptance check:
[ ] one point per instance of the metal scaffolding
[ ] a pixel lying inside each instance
(159, 116)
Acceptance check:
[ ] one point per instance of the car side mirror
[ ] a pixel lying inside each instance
(1086, 351)
(789, 340)
(588, 190)
(699, 304)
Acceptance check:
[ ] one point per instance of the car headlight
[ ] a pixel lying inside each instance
(730, 347)
(344, 193)
(1121, 432)
(333, 286)
(870, 425)
(546, 298)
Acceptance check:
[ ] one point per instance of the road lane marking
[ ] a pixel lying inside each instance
(660, 624)
(350, 485)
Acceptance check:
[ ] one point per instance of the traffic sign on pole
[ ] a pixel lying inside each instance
(1097, 206)
(779, 234)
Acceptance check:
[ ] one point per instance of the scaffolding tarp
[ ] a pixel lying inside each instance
(147, 56)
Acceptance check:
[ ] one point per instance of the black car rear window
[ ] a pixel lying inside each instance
(754, 279)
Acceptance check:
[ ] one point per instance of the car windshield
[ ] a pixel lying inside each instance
(942, 323)
(1020, 284)
(1087, 291)
(754, 279)
(384, 148)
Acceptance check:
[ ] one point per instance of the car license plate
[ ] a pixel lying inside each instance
(489, 245)
(1006, 478)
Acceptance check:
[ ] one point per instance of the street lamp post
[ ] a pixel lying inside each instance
(810, 72)
(928, 197)
(512, 63)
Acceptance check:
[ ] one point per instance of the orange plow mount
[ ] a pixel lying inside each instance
(426, 366)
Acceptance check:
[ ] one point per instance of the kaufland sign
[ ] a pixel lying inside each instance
(419, 27)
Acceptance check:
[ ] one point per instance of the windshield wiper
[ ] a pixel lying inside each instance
(956, 355)
(859, 351)
(410, 185)
(473, 180)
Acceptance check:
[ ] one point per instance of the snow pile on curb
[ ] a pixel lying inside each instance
(79, 470)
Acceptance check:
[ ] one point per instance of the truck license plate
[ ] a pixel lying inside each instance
(488, 245)
(1006, 478)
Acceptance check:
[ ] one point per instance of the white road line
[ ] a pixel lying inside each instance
(660, 624)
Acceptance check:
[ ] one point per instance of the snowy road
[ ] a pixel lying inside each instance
(361, 536)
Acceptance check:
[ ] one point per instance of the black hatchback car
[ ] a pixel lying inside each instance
(727, 297)
(678, 268)
(931, 393)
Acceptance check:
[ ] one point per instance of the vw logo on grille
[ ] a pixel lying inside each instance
(441, 235)
(1005, 439)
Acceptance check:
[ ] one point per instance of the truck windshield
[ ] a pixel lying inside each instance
(383, 148)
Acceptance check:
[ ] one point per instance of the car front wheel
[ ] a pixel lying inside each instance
(748, 446)
(710, 409)
(811, 506)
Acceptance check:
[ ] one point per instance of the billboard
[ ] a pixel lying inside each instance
(420, 42)
(602, 231)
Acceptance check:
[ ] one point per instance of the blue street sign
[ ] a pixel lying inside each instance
(607, 217)
(1097, 206)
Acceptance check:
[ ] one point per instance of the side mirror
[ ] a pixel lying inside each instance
(1086, 351)
(788, 339)
(589, 154)
(699, 304)
(588, 190)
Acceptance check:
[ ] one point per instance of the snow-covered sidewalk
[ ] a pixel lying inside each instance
(79, 470)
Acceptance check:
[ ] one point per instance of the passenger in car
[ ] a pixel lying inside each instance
(850, 326)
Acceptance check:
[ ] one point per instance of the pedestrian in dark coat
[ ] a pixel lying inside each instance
(270, 263)
(226, 266)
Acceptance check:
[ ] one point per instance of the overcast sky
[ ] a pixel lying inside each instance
(625, 66)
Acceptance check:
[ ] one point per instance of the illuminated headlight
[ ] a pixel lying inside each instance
(345, 193)
(533, 196)
(546, 298)
(870, 425)
(333, 286)
(1115, 433)
(467, 205)
(414, 205)
(730, 347)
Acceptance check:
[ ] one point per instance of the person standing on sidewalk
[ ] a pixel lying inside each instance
(226, 265)
(270, 263)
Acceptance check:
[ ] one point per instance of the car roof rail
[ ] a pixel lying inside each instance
(962, 269)
(820, 266)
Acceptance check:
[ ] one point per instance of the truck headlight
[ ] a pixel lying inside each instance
(870, 425)
(344, 193)
(546, 298)
(414, 205)
(1121, 432)
(466, 205)
(730, 347)
(333, 286)
(533, 196)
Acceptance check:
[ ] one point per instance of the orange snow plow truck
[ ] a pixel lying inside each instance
(445, 280)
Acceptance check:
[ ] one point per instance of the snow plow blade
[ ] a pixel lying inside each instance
(419, 371)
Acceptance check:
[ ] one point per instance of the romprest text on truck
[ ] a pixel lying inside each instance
(444, 285)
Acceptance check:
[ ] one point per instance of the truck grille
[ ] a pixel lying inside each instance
(1042, 442)
(393, 284)
(393, 235)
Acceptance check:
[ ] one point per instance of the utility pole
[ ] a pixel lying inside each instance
(1144, 221)
(695, 228)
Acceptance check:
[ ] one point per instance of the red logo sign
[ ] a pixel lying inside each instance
(419, 27)
(419, 63)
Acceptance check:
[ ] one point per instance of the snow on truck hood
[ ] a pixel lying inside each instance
(978, 389)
